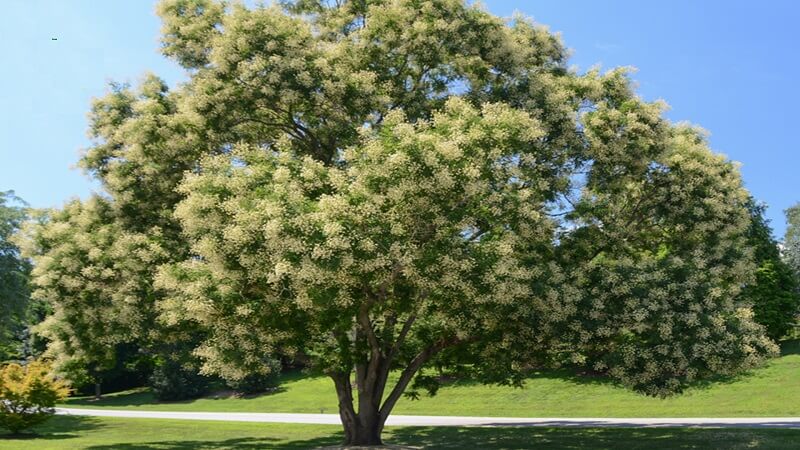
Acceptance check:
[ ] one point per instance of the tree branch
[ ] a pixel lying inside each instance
(409, 372)
(402, 336)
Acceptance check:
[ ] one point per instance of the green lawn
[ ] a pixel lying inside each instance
(771, 391)
(128, 434)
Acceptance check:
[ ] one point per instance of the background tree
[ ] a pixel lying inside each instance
(791, 239)
(659, 245)
(96, 260)
(774, 294)
(14, 272)
(95, 278)
(96, 273)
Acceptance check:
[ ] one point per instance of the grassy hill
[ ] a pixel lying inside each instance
(770, 391)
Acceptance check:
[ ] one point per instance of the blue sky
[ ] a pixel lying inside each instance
(727, 65)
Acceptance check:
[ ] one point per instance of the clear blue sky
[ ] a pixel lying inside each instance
(730, 66)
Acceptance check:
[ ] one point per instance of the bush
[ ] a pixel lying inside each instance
(28, 395)
(171, 381)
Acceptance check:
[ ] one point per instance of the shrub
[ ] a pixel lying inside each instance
(171, 381)
(28, 395)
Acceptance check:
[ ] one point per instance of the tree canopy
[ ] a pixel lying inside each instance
(378, 185)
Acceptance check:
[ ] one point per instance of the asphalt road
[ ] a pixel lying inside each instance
(438, 421)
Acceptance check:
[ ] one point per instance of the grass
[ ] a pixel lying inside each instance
(771, 391)
(63, 432)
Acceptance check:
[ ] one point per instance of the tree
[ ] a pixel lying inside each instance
(791, 239)
(658, 251)
(96, 278)
(389, 183)
(774, 294)
(74, 268)
(14, 273)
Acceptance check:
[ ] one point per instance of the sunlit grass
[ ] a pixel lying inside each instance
(771, 391)
(65, 432)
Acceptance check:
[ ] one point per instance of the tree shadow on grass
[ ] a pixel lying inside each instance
(145, 397)
(500, 438)
(591, 438)
(245, 443)
(790, 347)
(135, 397)
(57, 428)
(787, 347)
(572, 375)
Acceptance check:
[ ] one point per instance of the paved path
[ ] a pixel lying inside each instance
(333, 419)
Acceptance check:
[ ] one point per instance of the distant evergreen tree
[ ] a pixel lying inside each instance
(14, 273)
(774, 294)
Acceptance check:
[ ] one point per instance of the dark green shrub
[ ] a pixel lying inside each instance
(172, 381)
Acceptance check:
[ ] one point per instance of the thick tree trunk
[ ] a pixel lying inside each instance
(365, 432)
(364, 427)
(372, 372)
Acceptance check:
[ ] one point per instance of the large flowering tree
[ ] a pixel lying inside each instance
(374, 186)
(96, 278)
(404, 181)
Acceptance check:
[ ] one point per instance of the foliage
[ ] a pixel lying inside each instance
(28, 395)
(775, 294)
(258, 383)
(791, 240)
(96, 273)
(95, 278)
(662, 253)
(14, 273)
(128, 368)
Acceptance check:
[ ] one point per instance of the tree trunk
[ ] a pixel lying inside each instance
(364, 432)
(372, 373)
(98, 393)
(364, 427)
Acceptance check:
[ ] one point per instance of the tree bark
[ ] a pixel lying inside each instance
(98, 393)
(362, 428)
